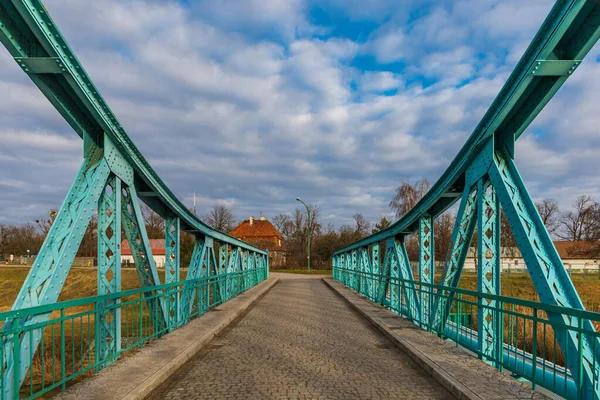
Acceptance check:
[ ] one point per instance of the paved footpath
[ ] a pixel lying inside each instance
(301, 341)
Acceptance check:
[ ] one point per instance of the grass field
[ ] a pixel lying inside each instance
(521, 286)
(81, 282)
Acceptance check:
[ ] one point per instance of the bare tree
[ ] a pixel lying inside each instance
(442, 232)
(550, 213)
(221, 218)
(284, 225)
(407, 195)
(583, 223)
(155, 224)
(362, 225)
(46, 223)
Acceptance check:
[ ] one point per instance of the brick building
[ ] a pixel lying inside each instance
(262, 234)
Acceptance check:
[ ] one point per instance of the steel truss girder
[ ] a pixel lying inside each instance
(489, 327)
(411, 297)
(384, 277)
(50, 268)
(551, 280)
(172, 258)
(233, 266)
(453, 267)
(188, 295)
(354, 277)
(222, 286)
(426, 265)
(365, 269)
(108, 315)
(137, 237)
(38, 47)
(375, 270)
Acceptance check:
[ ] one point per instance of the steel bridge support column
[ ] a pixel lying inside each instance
(410, 293)
(426, 266)
(50, 268)
(223, 254)
(135, 230)
(354, 276)
(375, 271)
(188, 296)
(461, 241)
(551, 280)
(203, 274)
(490, 335)
(395, 276)
(108, 314)
(172, 257)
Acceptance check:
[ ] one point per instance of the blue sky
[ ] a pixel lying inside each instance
(251, 103)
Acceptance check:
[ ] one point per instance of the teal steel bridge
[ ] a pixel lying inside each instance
(552, 343)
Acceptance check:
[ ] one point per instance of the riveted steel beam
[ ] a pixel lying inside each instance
(550, 278)
(108, 315)
(172, 258)
(426, 265)
(489, 332)
(137, 237)
(50, 268)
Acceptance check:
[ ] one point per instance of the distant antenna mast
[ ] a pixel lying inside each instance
(194, 203)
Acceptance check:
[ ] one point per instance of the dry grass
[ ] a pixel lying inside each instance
(79, 344)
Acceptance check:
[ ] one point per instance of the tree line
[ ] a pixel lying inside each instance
(579, 223)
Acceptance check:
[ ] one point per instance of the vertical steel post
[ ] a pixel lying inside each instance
(108, 323)
(426, 265)
(375, 270)
(488, 265)
(172, 265)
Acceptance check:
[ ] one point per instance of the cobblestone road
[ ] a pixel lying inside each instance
(301, 341)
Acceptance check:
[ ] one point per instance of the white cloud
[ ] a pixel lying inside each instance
(255, 105)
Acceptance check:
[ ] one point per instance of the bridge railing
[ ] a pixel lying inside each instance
(72, 339)
(113, 180)
(484, 179)
(528, 346)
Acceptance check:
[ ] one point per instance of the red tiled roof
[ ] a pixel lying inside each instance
(157, 246)
(568, 249)
(258, 229)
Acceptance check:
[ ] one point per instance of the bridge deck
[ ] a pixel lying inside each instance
(301, 341)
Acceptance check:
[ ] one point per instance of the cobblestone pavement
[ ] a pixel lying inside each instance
(301, 341)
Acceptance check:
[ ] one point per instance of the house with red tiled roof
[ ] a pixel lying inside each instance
(158, 252)
(262, 234)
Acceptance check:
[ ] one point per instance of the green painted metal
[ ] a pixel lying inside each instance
(484, 173)
(32, 38)
(137, 237)
(28, 32)
(71, 334)
(426, 261)
(49, 270)
(188, 297)
(459, 247)
(489, 334)
(524, 318)
(108, 317)
(570, 30)
(375, 268)
(411, 297)
(172, 259)
(549, 276)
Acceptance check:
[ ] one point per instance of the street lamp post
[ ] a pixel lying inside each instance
(308, 229)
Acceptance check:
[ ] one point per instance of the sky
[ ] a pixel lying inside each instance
(251, 103)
